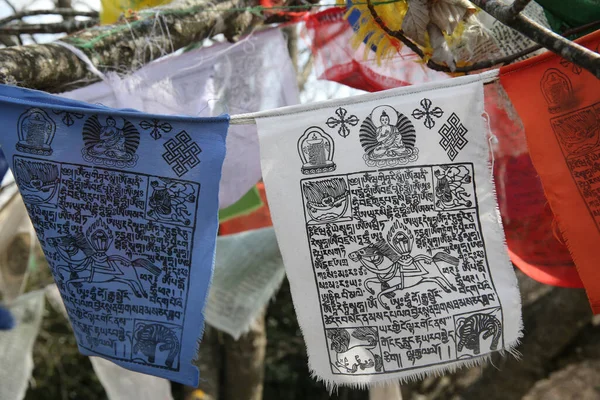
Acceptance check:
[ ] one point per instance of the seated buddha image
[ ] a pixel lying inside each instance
(111, 142)
(389, 139)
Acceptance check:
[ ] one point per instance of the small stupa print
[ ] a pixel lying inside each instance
(316, 149)
(36, 131)
(557, 90)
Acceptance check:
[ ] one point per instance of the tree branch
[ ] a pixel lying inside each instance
(570, 51)
(67, 26)
(517, 6)
(132, 43)
(64, 12)
(478, 65)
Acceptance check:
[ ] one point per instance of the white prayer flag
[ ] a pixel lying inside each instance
(386, 217)
(251, 75)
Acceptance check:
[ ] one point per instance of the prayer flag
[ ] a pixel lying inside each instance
(559, 104)
(388, 225)
(127, 222)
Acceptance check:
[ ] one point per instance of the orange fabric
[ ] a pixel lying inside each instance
(560, 109)
(533, 245)
(257, 219)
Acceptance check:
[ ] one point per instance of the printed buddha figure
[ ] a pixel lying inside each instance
(112, 141)
(389, 138)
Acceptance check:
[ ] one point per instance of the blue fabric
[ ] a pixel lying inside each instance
(3, 165)
(127, 222)
(6, 319)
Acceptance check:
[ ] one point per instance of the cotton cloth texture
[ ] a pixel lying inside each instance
(248, 272)
(535, 245)
(16, 345)
(331, 36)
(252, 75)
(248, 203)
(559, 105)
(127, 222)
(119, 383)
(386, 217)
(257, 219)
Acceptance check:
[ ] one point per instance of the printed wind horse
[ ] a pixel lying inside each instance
(87, 261)
(405, 270)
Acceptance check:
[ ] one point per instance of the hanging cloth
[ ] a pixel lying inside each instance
(249, 202)
(3, 165)
(330, 38)
(389, 230)
(127, 221)
(260, 218)
(251, 75)
(564, 15)
(559, 106)
(535, 245)
(16, 345)
(119, 383)
(111, 10)
(248, 272)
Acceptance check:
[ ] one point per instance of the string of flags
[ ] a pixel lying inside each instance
(395, 216)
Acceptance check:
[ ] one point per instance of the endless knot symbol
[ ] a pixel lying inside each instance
(156, 127)
(182, 153)
(428, 113)
(453, 136)
(342, 121)
(69, 116)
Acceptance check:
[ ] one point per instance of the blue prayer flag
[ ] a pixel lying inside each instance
(127, 221)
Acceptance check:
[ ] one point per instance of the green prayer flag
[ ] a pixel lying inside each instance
(249, 202)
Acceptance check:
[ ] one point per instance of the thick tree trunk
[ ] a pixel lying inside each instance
(245, 363)
(131, 44)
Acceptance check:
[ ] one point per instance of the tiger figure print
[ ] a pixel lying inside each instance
(148, 336)
(471, 327)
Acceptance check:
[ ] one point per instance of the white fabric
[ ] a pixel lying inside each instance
(248, 272)
(416, 221)
(251, 75)
(16, 345)
(119, 383)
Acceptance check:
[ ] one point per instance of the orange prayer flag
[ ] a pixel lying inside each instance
(559, 105)
(260, 218)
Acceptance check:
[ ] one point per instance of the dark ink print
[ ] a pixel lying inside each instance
(326, 200)
(428, 112)
(557, 90)
(36, 131)
(402, 270)
(68, 116)
(169, 201)
(578, 132)
(388, 138)
(342, 119)
(109, 144)
(86, 260)
(574, 67)
(469, 329)
(181, 153)
(38, 180)
(355, 352)
(453, 134)
(449, 189)
(316, 150)
(156, 128)
(147, 337)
